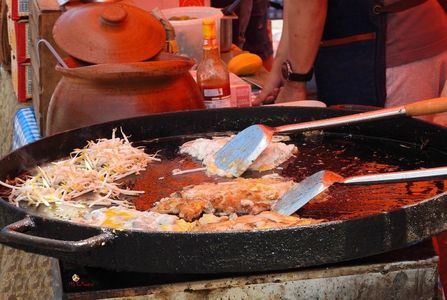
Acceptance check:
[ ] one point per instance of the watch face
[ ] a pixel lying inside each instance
(285, 70)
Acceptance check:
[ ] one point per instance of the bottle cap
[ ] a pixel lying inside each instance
(209, 28)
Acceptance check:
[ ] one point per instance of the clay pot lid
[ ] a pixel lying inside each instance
(109, 33)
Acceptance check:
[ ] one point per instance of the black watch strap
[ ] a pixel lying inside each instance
(301, 77)
(289, 75)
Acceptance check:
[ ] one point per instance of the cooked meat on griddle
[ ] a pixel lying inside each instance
(188, 210)
(275, 154)
(120, 218)
(265, 220)
(241, 196)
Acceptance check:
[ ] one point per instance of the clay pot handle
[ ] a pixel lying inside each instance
(52, 50)
(113, 15)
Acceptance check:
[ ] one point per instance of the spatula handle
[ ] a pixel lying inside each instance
(423, 107)
(344, 120)
(426, 107)
(403, 176)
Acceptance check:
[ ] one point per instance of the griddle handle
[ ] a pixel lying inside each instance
(15, 233)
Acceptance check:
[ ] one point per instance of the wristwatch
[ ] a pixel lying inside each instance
(288, 74)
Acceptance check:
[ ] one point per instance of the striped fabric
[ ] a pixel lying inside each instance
(25, 128)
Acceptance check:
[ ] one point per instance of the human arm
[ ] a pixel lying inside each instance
(273, 82)
(243, 11)
(302, 30)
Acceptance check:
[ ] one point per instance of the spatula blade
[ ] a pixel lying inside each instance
(300, 194)
(239, 153)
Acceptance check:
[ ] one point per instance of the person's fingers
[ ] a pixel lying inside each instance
(266, 97)
(288, 94)
(262, 97)
(269, 100)
(276, 92)
(258, 100)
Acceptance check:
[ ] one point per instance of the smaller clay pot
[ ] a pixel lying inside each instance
(98, 93)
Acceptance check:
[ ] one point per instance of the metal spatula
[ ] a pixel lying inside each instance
(317, 183)
(239, 153)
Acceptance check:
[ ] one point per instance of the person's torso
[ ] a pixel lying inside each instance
(416, 33)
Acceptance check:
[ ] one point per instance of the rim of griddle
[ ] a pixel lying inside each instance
(96, 129)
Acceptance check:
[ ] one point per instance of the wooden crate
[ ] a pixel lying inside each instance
(43, 15)
(5, 48)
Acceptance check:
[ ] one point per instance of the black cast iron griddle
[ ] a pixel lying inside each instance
(360, 222)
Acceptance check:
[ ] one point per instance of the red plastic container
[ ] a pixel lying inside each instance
(22, 49)
(21, 74)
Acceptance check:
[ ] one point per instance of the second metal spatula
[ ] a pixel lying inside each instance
(319, 182)
(239, 153)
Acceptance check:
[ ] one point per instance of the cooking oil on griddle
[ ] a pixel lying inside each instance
(346, 155)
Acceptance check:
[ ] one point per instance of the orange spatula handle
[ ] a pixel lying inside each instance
(426, 107)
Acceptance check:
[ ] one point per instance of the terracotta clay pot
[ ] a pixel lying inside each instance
(93, 94)
(114, 71)
(102, 33)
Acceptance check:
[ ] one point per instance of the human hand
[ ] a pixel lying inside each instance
(292, 91)
(270, 89)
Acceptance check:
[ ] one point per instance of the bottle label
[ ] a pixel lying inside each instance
(217, 92)
(215, 98)
(218, 102)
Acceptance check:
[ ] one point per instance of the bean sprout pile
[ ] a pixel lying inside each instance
(94, 169)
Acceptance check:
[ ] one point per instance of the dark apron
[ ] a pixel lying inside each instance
(350, 65)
